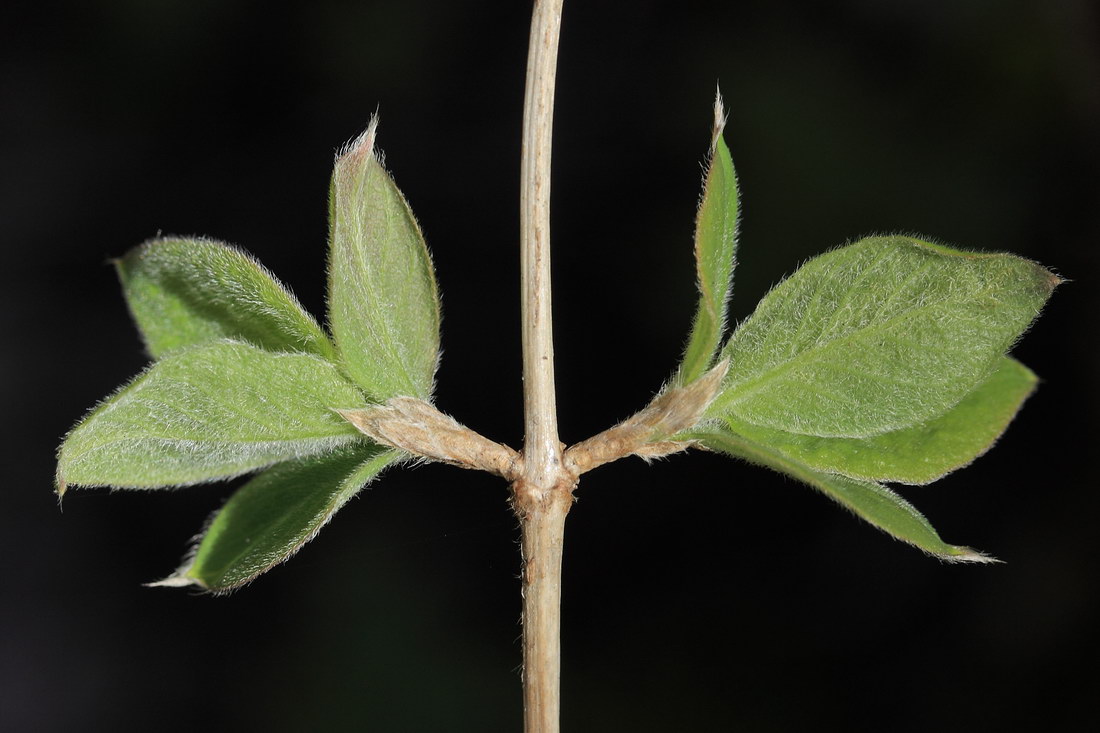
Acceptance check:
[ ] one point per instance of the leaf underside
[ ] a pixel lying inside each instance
(273, 515)
(210, 412)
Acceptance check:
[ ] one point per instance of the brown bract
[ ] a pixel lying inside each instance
(646, 433)
(417, 427)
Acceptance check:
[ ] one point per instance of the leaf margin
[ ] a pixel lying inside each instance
(370, 461)
(280, 322)
(834, 487)
(216, 352)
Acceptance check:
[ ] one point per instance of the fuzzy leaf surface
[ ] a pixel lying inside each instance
(186, 292)
(919, 454)
(273, 515)
(868, 500)
(210, 412)
(879, 335)
(715, 253)
(383, 302)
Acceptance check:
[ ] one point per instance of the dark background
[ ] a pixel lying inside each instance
(700, 594)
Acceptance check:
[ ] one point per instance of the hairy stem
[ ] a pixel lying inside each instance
(543, 526)
(542, 494)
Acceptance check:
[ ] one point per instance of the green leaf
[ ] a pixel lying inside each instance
(383, 303)
(269, 518)
(210, 412)
(185, 292)
(919, 454)
(715, 252)
(868, 500)
(876, 336)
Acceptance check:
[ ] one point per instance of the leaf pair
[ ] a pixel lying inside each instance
(883, 360)
(245, 379)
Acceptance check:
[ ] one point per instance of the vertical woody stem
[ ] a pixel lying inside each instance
(541, 449)
(543, 528)
(543, 494)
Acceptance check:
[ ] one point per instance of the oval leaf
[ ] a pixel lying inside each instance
(868, 500)
(272, 516)
(185, 292)
(919, 454)
(876, 336)
(210, 412)
(384, 308)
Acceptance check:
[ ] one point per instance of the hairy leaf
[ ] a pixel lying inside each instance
(715, 251)
(919, 454)
(868, 500)
(384, 308)
(210, 412)
(880, 335)
(185, 292)
(272, 516)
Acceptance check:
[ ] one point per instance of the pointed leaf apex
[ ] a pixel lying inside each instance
(362, 146)
(968, 555)
(177, 580)
(719, 120)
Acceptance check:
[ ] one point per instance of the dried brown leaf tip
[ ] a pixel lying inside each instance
(719, 121)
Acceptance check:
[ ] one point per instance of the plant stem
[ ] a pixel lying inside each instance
(543, 493)
(543, 535)
(541, 448)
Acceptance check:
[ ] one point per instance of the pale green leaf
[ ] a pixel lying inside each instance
(383, 303)
(868, 500)
(210, 412)
(715, 252)
(880, 335)
(273, 515)
(185, 292)
(919, 454)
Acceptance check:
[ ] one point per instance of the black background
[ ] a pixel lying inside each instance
(700, 594)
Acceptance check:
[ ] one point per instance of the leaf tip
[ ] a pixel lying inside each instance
(719, 119)
(969, 555)
(61, 486)
(362, 146)
(179, 579)
(1053, 279)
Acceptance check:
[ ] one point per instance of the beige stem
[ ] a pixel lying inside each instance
(543, 534)
(541, 448)
(543, 493)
